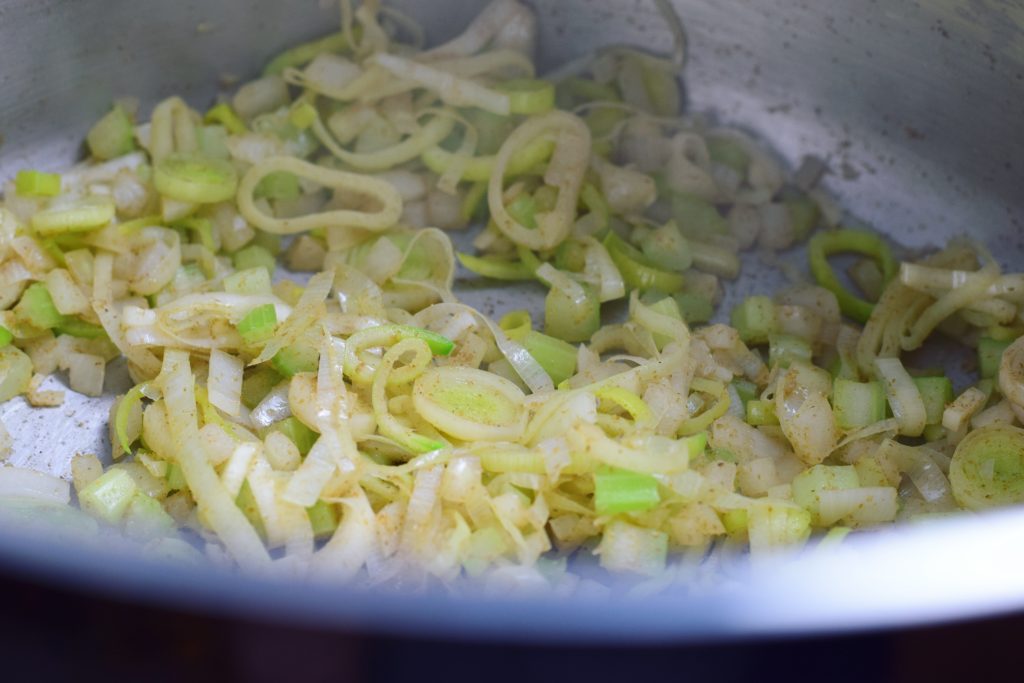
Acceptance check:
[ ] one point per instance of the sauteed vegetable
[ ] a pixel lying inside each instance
(362, 423)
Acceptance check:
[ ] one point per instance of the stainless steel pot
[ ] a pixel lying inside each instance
(916, 106)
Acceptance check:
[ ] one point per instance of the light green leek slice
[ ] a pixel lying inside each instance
(195, 179)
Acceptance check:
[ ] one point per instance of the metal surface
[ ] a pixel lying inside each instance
(915, 105)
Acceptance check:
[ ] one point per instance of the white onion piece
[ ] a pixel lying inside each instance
(22, 482)
(224, 382)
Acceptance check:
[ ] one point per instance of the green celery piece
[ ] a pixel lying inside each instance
(246, 502)
(108, 497)
(760, 413)
(557, 357)
(697, 217)
(857, 404)
(323, 517)
(176, 477)
(755, 319)
(146, 518)
(747, 391)
(694, 307)
(254, 256)
(28, 183)
(278, 185)
(621, 491)
(783, 349)
(728, 152)
(75, 327)
(5, 336)
(302, 436)
(37, 309)
(258, 324)
(249, 281)
(257, 383)
(112, 136)
(990, 355)
(935, 392)
(811, 482)
(294, 359)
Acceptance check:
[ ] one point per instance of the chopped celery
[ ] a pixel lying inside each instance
(257, 383)
(37, 308)
(773, 523)
(213, 141)
(175, 478)
(108, 496)
(803, 215)
(571, 319)
(246, 502)
(747, 391)
(728, 152)
(74, 327)
(226, 116)
(760, 413)
(621, 491)
(249, 281)
(278, 185)
(195, 179)
(254, 256)
(935, 392)
(694, 307)
(323, 517)
(808, 485)
(666, 248)
(735, 522)
(755, 319)
(146, 518)
(990, 354)
(783, 349)
(637, 271)
(258, 324)
(558, 358)
(268, 241)
(296, 358)
(571, 256)
(37, 184)
(697, 217)
(858, 404)
(5, 336)
(524, 209)
(112, 136)
(302, 436)
(528, 95)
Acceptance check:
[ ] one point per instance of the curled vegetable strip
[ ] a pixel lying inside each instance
(484, 27)
(423, 139)
(904, 397)
(565, 173)
(453, 90)
(382, 192)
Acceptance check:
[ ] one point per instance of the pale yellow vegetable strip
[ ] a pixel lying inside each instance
(411, 147)
(224, 517)
(381, 191)
(566, 172)
(452, 89)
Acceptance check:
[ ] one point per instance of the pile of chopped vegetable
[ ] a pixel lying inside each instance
(362, 423)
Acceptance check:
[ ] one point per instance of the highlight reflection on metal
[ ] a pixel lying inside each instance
(917, 111)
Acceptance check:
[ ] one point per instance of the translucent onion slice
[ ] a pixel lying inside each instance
(470, 404)
(387, 213)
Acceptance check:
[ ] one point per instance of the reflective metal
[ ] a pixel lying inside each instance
(916, 106)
